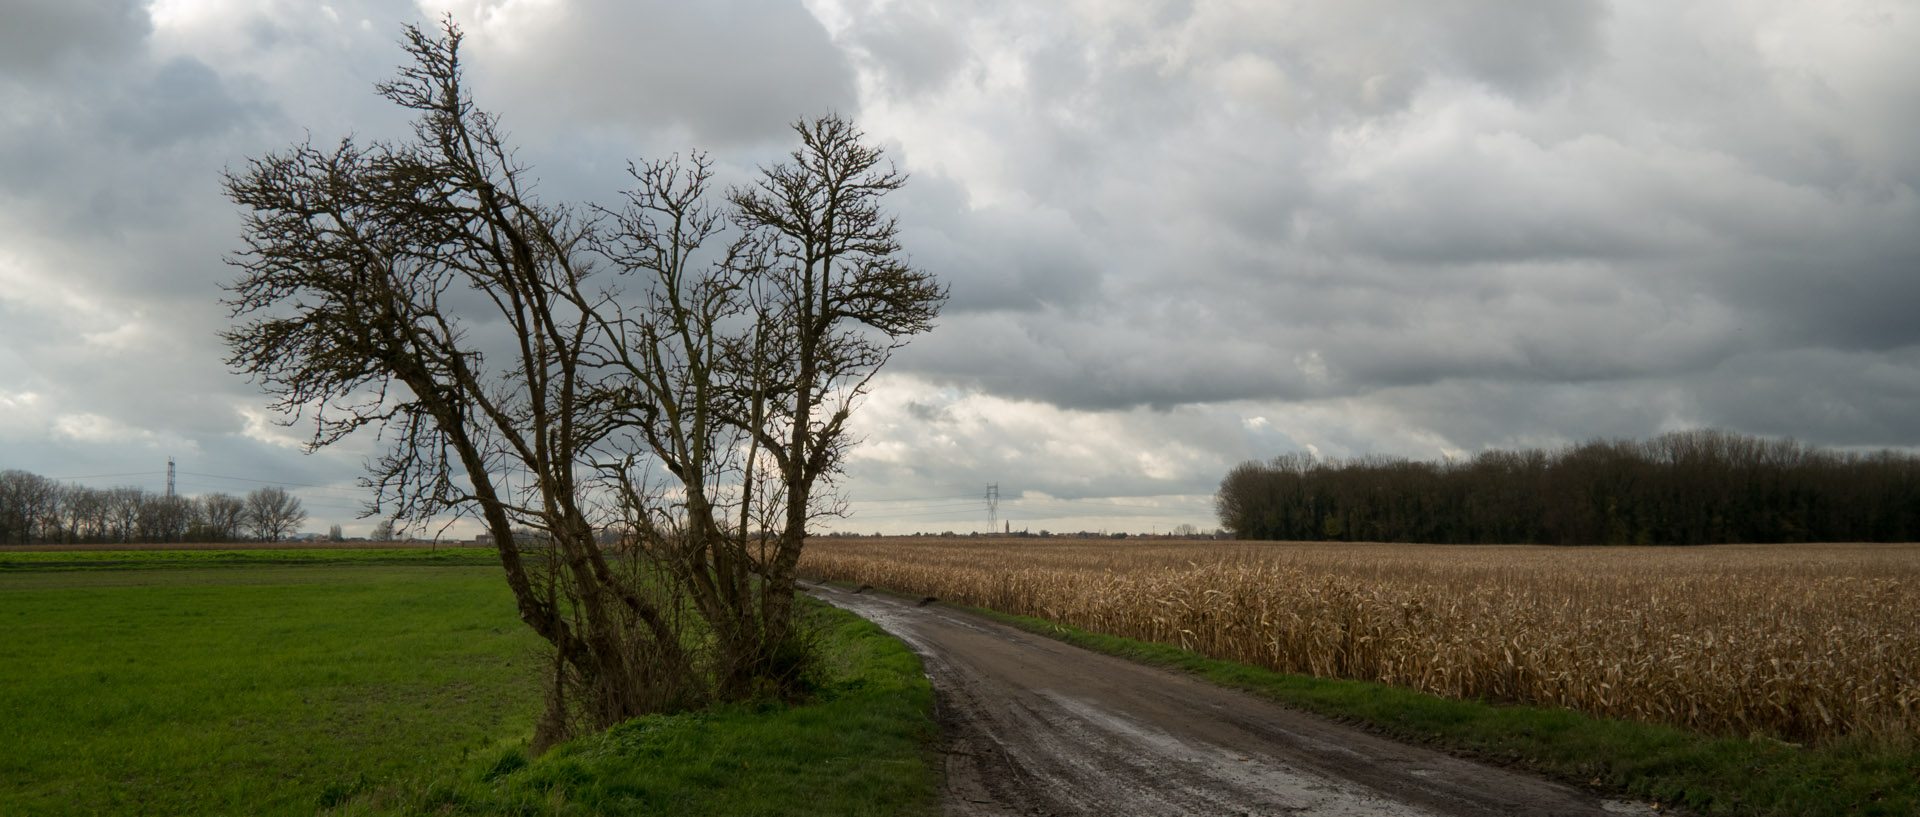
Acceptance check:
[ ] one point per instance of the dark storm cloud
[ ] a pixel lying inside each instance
(1012, 258)
(1120, 360)
(39, 35)
(1835, 397)
(1858, 294)
(1178, 234)
(183, 100)
(1501, 225)
(1524, 49)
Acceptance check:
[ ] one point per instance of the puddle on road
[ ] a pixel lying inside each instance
(1138, 752)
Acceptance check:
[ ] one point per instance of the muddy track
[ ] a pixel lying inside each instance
(1037, 727)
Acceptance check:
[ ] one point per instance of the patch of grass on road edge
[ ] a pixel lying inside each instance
(1704, 774)
(862, 747)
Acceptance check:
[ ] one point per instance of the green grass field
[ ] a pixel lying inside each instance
(264, 690)
(14, 561)
(384, 682)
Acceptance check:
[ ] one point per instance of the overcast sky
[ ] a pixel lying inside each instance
(1179, 235)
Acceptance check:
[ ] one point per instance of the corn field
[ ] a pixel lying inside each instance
(1804, 643)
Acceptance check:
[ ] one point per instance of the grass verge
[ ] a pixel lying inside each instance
(1703, 774)
(858, 748)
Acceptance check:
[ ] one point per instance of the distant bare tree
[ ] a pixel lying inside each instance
(272, 513)
(421, 288)
(81, 510)
(28, 506)
(121, 510)
(222, 516)
(164, 518)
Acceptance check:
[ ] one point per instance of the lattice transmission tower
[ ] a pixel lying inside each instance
(993, 508)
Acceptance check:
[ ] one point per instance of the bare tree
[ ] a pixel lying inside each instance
(81, 510)
(272, 513)
(637, 457)
(222, 516)
(164, 518)
(744, 372)
(121, 511)
(28, 506)
(836, 302)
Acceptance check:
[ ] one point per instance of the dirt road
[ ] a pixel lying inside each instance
(1038, 727)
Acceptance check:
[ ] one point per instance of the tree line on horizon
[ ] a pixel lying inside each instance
(1693, 487)
(36, 510)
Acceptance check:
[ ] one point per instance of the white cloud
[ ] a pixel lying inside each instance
(262, 427)
(23, 415)
(716, 74)
(92, 429)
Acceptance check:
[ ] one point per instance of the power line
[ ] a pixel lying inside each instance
(170, 472)
(968, 500)
(105, 476)
(869, 516)
(1108, 504)
(279, 482)
(338, 494)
